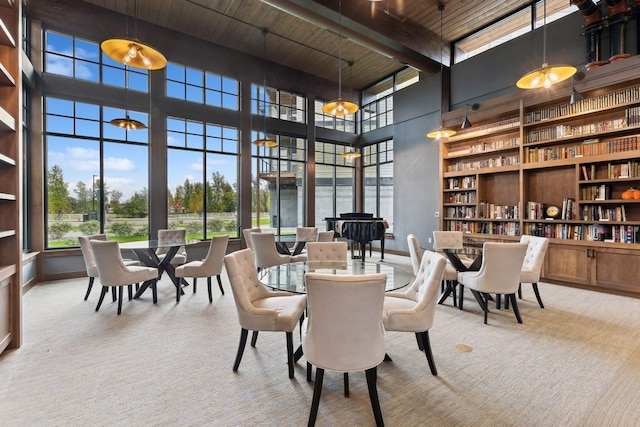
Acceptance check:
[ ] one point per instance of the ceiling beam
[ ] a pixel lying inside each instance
(403, 41)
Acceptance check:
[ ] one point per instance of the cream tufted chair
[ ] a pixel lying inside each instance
(499, 274)
(113, 271)
(90, 262)
(533, 261)
(326, 236)
(306, 234)
(247, 236)
(266, 254)
(327, 251)
(451, 240)
(261, 309)
(413, 310)
(208, 267)
(414, 252)
(173, 236)
(344, 330)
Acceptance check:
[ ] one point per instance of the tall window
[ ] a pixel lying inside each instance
(334, 182)
(344, 123)
(278, 104)
(202, 87)
(202, 178)
(378, 180)
(96, 174)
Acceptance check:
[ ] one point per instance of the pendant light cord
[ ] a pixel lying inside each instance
(544, 32)
(441, 9)
(264, 81)
(340, 49)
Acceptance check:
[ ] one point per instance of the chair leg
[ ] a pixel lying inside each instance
(426, 343)
(91, 279)
(520, 291)
(290, 353)
(461, 296)
(220, 284)
(373, 396)
(120, 299)
(102, 294)
(483, 303)
(537, 292)
(308, 372)
(209, 289)
(195, 284)
(114, 297)
(254, 338)
(345, 379)
(154, 288)
(241, 345)
(515, 307)
(130, 292)
(499, 302)
(317, 389)
(419, 340)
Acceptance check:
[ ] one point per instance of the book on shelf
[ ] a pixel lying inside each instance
(585, 175)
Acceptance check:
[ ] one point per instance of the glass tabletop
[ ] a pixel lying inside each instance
(155, 244)
(290, 277)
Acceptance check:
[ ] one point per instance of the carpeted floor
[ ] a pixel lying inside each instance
(574, 363)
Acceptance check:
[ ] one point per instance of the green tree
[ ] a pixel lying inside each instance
(83, 197)
(58, 200)
(137, 206)
(196, 199)
(223, 194)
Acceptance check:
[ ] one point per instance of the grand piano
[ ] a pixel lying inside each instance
(360, 228)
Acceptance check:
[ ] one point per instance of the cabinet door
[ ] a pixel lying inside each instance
(567, 263)
(616, 269)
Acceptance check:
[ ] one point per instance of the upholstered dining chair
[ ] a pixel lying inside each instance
(246, 233)
(306, 234)
(413, 310)
(499, 274)
(343, 331)
(442, 240)
(259, 308)
(415, 252)
(208, 267)
(327, 251)
(90, 262)
(326, 236)
(532, 265)
(172, 236)
(114, 273)
(266, 254)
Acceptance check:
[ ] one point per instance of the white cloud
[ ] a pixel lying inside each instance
(118, 164)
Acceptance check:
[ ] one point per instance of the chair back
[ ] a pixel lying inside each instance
(246, 288)
(501, 266)
(447, 240)
(247, 236)
(265, 252)
(344, 330)
(215, 256)
(534, 258)
(172, 236)
(306, 234)
(109, 262)
(87, 253)
(326, 236)
(424, 290)
(327, 251)
(414, 252)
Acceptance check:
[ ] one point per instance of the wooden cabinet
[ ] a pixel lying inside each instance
(531, 153)
(10, 176)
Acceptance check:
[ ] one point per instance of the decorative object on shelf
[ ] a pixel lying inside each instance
(441, 132)
(546, 75)
(630, 193)
(552, 211)
(132, 52)
(265, 141)
(340, 107)
(466, 123)
(575, 95)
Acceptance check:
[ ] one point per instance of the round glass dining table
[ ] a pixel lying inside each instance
(290, 277)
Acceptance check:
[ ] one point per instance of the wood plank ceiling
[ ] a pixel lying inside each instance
(379, 38)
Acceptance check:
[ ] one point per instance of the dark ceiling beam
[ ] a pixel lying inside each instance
(402, 41)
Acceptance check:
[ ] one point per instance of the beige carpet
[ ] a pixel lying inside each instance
(574, 363)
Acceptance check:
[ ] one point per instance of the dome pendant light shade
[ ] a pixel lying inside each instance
(351, 155)
(128, 123)
(134, 54)
(441, 132)
(340, 107)
(547, 75)
(264, 142)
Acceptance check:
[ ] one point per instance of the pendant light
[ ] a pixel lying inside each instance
(132, 52)
(339, 107)
(441, 132)
(127, 123)
(546, 75)
(264, 141)
(575, 95)
(351, 154)
(466, 123)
